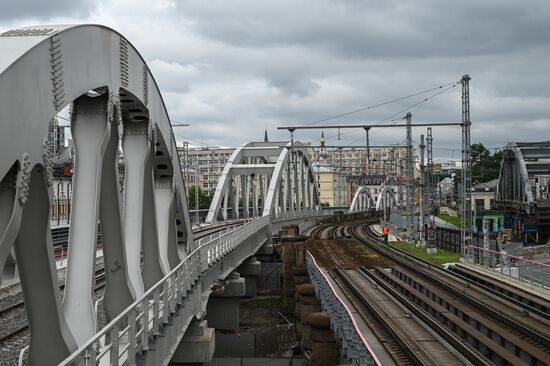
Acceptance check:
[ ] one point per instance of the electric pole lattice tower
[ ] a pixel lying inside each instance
(466, 182)
(430, 181)
(410, 178)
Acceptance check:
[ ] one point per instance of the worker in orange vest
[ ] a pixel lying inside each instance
(386, 233)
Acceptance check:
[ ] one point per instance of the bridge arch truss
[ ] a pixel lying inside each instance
(117, 112)
(372, 197)
(524, 179)
(265, 178)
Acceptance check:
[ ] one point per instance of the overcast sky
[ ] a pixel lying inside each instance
(234, 68)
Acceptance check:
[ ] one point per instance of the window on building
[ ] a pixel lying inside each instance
(480, 203)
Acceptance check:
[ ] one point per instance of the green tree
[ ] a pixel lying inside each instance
(485, 166)
(204, 199)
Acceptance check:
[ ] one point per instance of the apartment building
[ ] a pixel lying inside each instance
(209, 161)
(332, 186)
(383, 160)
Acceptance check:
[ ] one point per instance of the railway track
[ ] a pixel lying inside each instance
(526, 301)
(13, 318)
(407, 339)
(487, 323)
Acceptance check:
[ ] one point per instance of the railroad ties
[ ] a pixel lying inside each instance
(414, 312)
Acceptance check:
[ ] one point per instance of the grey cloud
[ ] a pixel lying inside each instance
(43, 10)
(350, 29)
(232, 69)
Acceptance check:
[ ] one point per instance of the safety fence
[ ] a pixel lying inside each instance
(343, 324)
(521, 268)
(448, 239)
(130, 333)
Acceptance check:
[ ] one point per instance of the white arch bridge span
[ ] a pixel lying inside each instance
(377, 197)
(158, 278)
(269, 178)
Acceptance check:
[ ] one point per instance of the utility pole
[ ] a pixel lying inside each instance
(430, 195)
(410, 178)
(430, 172)
(466, 186)
(185, 149)
(197, 217)
(367, 143)
(422, 242)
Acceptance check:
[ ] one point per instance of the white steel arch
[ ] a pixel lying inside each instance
(269, 178)
(367, 197)
(115, 104)
(362, 200)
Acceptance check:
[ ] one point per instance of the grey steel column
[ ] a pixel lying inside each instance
(166, 223)
(255, 196)
(243, 193)
(367, 142)
(90, 132)
(152, 270)
(235, 213)
(306, 188)
(51, 340)
(119, 293)
(10, 214)
(466, 229)
(410, 178)
(422, 241)
(430, 181)
(300, 182)
(247, 196)
(288, 188)
(225, 198)
(136, 148)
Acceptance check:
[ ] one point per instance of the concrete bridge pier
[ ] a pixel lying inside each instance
(197, 345)
(222, 311)
(266, 249)
(251, 270)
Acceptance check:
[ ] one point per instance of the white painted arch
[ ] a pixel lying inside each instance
(42, 70)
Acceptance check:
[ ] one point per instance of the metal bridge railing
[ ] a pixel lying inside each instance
(343, 324)
(523, 269)
(120, 341)
(129, 333)
(301, 214)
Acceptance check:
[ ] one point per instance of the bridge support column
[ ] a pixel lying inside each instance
(197, 345)
(222, 311)
(246, 200)
(91, 131)
(250, 270)
(266, 249)
(293, 261)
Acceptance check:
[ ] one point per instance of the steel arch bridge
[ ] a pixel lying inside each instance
(115, 102)
(372, 197)
(269, 178)
(524, 179)
(158, 278)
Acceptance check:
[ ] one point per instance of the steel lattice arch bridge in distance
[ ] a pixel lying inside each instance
(156, 273)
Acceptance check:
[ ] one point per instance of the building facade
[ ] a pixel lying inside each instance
(383, 160)
(332, 186)
(208, 162)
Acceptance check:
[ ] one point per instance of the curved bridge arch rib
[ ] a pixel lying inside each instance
(372, 197)
(115, 102)
(265, 178)
(524, 181)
